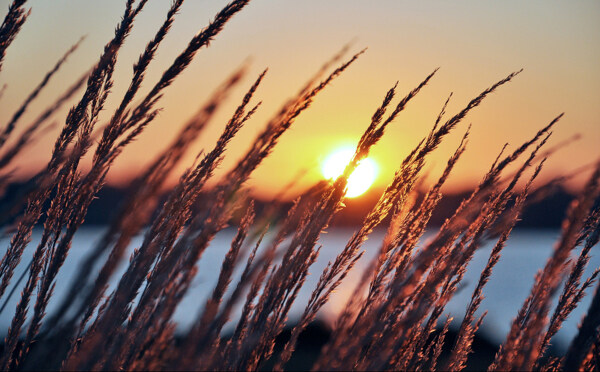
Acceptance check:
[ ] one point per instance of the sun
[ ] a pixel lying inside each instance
(360, 180)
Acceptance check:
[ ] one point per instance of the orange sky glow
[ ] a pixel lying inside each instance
(474, 44)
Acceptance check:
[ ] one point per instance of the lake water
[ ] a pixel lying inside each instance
(511, 281)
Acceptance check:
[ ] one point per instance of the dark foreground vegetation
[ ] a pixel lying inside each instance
(388, 323)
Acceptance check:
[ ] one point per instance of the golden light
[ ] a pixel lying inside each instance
(360, 180)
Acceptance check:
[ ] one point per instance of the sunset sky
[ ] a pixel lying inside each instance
(475, 43)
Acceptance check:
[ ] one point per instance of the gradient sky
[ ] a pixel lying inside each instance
(475, 43)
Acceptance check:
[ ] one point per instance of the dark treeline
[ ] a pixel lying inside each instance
(548, 212)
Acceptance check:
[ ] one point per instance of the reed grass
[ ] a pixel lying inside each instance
(390, 320)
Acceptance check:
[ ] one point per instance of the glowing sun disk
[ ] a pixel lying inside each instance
(360, 180)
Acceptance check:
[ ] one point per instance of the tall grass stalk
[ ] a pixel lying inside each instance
(394, 317)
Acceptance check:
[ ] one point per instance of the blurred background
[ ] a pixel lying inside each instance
(475, 43)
